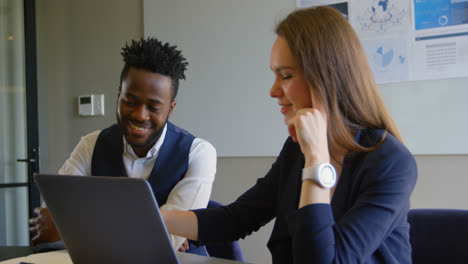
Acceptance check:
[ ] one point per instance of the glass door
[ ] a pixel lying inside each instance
(19, 153)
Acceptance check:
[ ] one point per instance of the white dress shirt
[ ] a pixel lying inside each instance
(192, 192)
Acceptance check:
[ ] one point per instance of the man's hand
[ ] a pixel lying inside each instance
(42, 228)
(184, 246)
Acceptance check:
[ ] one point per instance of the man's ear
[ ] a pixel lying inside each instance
(171, 108)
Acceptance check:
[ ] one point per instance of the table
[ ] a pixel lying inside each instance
(9, 252)
(62, 257)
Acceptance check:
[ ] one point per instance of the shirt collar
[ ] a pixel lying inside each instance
(153, 152)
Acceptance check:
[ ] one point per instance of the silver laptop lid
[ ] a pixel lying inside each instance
(107, 219)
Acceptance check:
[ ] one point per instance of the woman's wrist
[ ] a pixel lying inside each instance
(314, 160)
(313, 193)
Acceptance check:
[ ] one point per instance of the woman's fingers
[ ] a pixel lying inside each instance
(309, 127)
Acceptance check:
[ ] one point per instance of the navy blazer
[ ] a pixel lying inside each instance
(366, 221)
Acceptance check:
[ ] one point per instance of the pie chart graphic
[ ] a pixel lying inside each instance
(383, 57)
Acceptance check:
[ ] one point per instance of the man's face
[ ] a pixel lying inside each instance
(143, 107)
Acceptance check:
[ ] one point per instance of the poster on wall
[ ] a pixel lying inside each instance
(441, 38)
(407, 40)
(340, 5)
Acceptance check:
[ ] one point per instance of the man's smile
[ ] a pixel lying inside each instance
(138, 130)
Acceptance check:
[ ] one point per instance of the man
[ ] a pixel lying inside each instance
(143, 144)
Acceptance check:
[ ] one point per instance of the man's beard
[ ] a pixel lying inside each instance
(149, 142)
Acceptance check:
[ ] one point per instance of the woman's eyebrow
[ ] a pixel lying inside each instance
(280, 68)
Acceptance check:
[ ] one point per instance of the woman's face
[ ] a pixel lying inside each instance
(290, 86)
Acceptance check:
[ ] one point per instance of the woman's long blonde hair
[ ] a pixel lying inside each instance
(333, 61)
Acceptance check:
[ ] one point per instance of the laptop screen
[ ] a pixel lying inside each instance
(107, 219)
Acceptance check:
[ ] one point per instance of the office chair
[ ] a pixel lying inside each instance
(227, 249)
(439, 235)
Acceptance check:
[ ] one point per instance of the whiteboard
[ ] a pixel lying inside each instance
(432, 115)
(225, 97)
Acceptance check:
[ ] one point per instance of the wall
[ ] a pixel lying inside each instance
(228, 43)
(78, 53)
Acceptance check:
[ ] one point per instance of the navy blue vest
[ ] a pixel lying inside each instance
(168, 170)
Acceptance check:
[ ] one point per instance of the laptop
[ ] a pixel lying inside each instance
(110, 220)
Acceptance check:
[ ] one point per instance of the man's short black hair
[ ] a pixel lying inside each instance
(152, 55)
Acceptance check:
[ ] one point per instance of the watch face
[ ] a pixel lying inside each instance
(327, 176)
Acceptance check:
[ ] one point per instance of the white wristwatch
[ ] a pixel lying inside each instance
(323, 174)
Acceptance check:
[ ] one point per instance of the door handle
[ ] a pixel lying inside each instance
(26, 160)
(34, 160)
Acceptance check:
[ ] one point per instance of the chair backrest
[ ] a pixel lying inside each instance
(439, 235)
(226, 249)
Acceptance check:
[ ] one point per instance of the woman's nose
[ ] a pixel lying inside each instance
(276, 90)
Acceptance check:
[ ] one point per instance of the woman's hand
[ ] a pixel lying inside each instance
(309, 128)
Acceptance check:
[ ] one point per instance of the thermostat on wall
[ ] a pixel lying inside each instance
(91, 105)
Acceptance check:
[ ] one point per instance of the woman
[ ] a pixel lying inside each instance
(334, 114)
